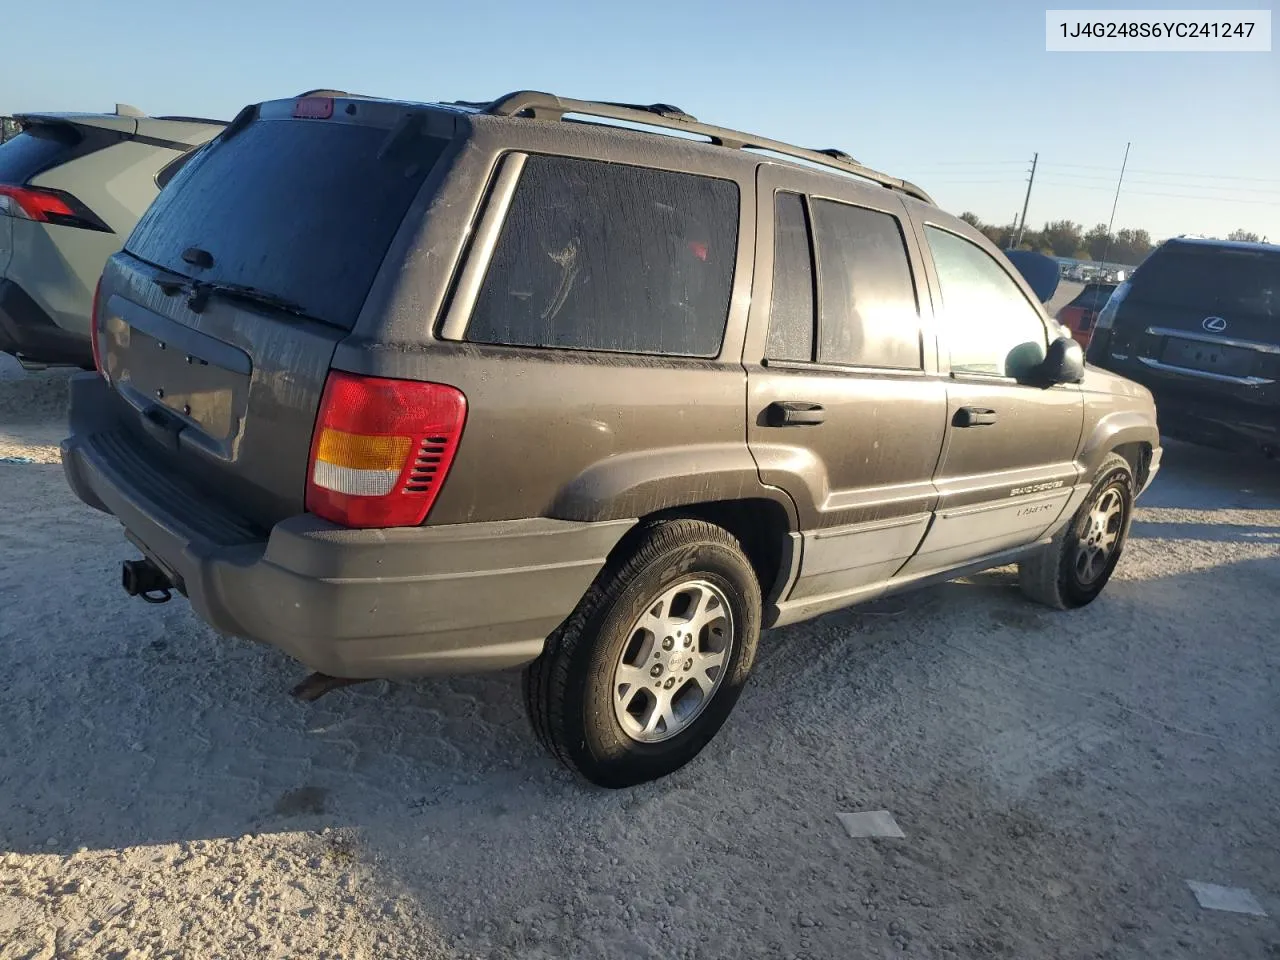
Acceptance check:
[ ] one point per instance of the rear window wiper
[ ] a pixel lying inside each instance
(199, 291)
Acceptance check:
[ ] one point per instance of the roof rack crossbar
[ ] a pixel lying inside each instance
(546, 106)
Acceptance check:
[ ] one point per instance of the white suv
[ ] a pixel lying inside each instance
(72, 186)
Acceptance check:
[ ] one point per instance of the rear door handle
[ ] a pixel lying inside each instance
(794, 413)
(974, 417)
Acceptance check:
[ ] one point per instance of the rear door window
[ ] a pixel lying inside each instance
(867, 313)
(302, 209)
(1212, 280)
(606, 256)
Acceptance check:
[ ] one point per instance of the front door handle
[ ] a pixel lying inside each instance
(794, 413)
(974, 417)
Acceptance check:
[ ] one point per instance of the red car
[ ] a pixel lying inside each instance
(1079, 315)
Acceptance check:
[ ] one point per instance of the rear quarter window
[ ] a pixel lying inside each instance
(610, 257)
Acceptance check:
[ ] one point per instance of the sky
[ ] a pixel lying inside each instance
(954, 96)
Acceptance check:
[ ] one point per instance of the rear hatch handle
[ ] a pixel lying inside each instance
(161, 425)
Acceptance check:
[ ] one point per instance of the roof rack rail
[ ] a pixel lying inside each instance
(547, 106)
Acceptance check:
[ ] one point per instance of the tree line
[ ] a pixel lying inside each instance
(1065, 238)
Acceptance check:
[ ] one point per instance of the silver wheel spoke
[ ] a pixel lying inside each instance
(707, 611)
(706, 669)
(633, 677)
(662, 719)
(655, 618)
(673, 662)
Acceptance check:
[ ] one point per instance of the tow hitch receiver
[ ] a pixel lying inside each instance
(142, 578)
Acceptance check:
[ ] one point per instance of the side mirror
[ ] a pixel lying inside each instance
(1063, 363)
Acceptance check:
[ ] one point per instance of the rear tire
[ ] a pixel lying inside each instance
(1071, 570)
(646, 670)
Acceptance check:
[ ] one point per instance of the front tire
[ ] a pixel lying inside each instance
(1072, 569)
(646, 670)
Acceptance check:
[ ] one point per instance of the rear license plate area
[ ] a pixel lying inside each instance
(1209, 357)
(161, 362)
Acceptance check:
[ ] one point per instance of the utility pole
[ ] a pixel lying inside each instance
(1022, 225)
(1106, 251)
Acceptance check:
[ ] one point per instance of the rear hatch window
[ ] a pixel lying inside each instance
(302, 210)
(1215, 280)
(297, 216)
(36, 149)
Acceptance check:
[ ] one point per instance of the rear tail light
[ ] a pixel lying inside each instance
(95, 330)
(381, 449)
(47, 206)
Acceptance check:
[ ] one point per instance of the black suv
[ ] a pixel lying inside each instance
(1199, 325)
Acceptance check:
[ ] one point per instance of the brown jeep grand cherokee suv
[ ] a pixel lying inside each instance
(421, 388)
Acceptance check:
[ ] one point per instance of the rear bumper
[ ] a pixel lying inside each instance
(28, 332)
(1219, 424)
(1226, 416)
(351, 603)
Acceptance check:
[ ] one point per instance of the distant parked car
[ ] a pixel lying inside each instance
(72, 186)
(1079, 315)
(1199, 324)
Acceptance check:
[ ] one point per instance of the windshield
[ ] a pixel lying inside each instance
(300, 209)
(1226, 280)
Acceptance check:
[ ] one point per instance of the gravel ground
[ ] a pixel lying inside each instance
(1058, 776)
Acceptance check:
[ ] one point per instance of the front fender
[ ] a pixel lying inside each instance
(1115, 430)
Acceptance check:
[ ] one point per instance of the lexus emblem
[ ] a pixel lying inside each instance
(1214, 324)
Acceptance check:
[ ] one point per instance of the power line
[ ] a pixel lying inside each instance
(1250, 191)
(1176, 196)
(985, 167)
(1211, 176)
(1079, 166)
(1158, 173)
(939, 180)
(1187, 196)
(969, 163)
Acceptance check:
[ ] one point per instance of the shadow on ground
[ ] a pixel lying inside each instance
(1057, 775)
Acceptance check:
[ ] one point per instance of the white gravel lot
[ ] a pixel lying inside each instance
(1058, 776)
